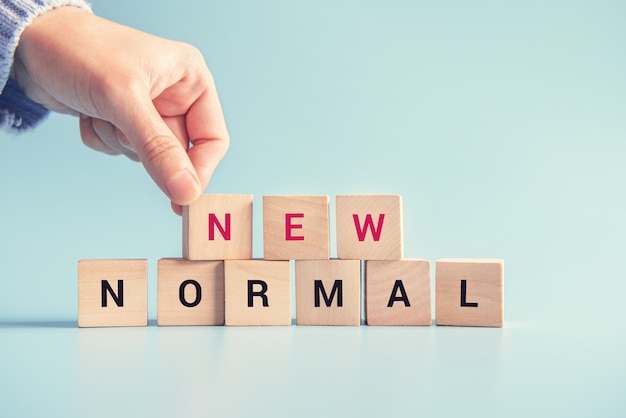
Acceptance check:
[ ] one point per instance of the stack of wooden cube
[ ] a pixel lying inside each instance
(217, 282)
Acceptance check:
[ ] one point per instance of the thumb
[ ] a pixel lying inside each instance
(162, 154)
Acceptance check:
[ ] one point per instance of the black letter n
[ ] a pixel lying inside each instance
(118, 298)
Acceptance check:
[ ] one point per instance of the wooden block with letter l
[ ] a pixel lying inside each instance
(257, 292)
(328, 292)
(295, 228)
(397, 292)
(190, 292)
(369, 227)
(112, 293)
(218, 227)
(470, 292)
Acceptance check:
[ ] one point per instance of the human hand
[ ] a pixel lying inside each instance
(151, 99)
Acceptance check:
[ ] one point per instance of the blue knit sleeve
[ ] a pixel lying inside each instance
(18, 112)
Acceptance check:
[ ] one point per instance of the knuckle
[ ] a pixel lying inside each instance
(158, 148)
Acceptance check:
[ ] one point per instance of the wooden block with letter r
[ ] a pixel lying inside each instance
(369, 227)
(218, 227)
(258, 292)
(190, 292)
(295, 228)
(328, 292)
(470, 292)
(112, 293)
(397, 292)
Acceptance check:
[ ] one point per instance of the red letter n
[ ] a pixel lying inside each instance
(214, 222)
(369, 223)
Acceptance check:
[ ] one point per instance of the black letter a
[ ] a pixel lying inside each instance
(398, 286)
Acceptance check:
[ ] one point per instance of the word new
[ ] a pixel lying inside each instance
(218, 283)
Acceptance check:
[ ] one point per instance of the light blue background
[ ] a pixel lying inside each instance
(502, 125)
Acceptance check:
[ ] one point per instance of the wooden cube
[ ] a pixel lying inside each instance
(218, 227)
(328, 292)
(369, 227)
(190, 292)
(258, 292)
(112, 293)
(397, 292)
(470, 292)
(295, 228)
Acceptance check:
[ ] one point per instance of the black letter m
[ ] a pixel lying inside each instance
(337, 288)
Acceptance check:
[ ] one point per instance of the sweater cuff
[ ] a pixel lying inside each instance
(16, 16)
(18, 112)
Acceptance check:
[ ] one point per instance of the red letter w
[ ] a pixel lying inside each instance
(214, 222)
(369, 223)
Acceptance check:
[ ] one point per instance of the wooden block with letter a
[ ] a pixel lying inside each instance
(397, 292)
(369, 227)
(112, 293)
(190, 292)
(218, 227)
(328, 292)
(470, 292)
(295, 228)
(258, 292)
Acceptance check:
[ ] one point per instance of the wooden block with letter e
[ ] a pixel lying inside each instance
(257, 292)
(112, 293)
(328, 292)
(218, 227)
(190, 292)
(369, 227)
(470, 292)
(295, 228)
(397, 292)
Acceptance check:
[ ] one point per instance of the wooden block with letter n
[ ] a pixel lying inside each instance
(112, 293)
(328, 292)
(470, 292)
(295, 228)
(258, 292)
(397, 292)
(369, 227)
(218, 227)
(190, 292)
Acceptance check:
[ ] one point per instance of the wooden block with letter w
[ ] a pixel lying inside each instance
(369, 227)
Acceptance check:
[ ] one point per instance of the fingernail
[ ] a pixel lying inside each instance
(183, 187)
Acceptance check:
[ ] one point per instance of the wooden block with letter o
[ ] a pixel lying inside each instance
(190, 292)
(328, 292)
(295, 228)
(470, 292)
(218, 227)
(258, 292)
(112, 293)
(369, 227)
(397, 292)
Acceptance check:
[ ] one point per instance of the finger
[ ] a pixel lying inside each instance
(178, 209)
(208, 134)
(91, 139)
(108, 133)
(161, 153)
(178, 126)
